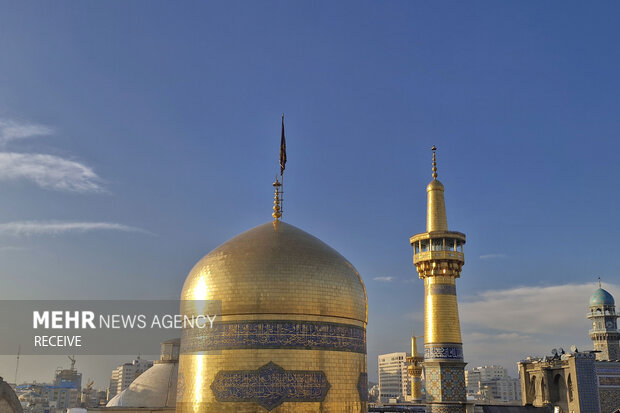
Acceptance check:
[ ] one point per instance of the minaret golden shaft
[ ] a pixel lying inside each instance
(414, 368)
(438, 258)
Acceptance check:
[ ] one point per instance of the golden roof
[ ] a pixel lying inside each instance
(276, 268)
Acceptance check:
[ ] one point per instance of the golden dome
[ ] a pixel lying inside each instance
(291, 337)
(276, 268)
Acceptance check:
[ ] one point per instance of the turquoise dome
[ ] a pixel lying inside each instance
(601, 297)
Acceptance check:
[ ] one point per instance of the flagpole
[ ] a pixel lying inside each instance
(282, 193)
(282, 164)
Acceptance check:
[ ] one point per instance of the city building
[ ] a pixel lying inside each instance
(47, 398)
(506, 390)
(491, 372)
(438, 258)
(63, 393)
(472, 382)
(125, 374)
(579, 382)
(292, 329)
(394, 383)
(491, 384)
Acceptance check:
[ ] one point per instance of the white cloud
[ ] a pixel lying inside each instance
(10, 130)
(19, 228)
(4, 248)
(531, 310)
(49, 171)
(499, 337)
(384, 279)
(504, 326)
(493, 256)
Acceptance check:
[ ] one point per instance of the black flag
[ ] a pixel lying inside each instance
(282, 149)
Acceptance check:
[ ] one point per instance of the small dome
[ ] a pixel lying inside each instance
(156, 387)
(435, 184)
(277, 268)
(601, 297)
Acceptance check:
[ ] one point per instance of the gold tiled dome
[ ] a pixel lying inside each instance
(292, 333)
(276, 268)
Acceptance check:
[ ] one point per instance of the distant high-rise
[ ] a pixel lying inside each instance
(438, 258)
(125, 374)
(66, 388)
(492, 383)
(393, 379)
(604, 332)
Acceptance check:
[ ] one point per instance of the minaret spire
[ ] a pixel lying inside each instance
(434, 148)
(436, 219)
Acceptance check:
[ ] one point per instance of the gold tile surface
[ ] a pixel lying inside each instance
(277, 268)
(441, 314)
(276, 272)
(197, 372)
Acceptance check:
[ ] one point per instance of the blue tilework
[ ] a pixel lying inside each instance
(443, 352)
(270, 386)
(275, 334)
(587, 385)
(447, 289)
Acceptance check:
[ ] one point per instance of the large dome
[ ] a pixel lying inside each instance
(601, 297)
(276, 268)
(292, 332)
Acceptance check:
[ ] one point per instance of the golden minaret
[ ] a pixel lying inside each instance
(438, 258)
(414, 368)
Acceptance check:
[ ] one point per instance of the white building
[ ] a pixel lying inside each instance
(394, 383)
(125, 374)
(472, 382)
(492, 384)
(508, 389)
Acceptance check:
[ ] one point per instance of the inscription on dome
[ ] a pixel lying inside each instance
(307, 335)
(270, 386)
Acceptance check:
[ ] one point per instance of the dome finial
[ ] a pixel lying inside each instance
(434, 148)
(277, 210)
(599, 282)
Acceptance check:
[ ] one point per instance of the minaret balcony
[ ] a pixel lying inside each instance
(438, 245)
(604, 331)
(438, 255)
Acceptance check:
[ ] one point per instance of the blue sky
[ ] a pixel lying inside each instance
(135, 137)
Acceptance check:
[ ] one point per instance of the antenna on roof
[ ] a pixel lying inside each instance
(17, 362)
